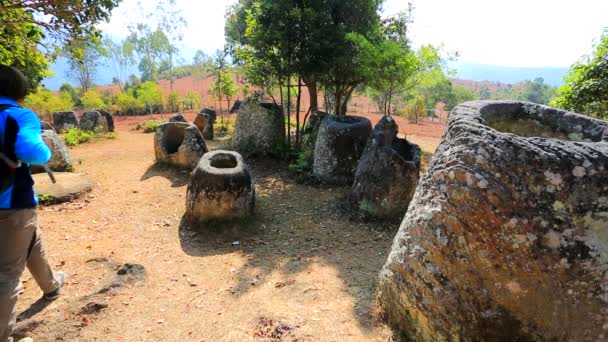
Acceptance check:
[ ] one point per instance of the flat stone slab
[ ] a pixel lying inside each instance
(69, 186)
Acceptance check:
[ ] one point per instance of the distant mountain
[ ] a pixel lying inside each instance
(511, 75)
(465, 71)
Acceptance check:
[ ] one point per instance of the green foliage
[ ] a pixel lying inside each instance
(46, 199)
(585, 88)
(313, 45)
(75, 136)
(173, 101)
(150, 126)
(44, 102)
(126, 103)
(23, 25)
(121, 58)
(150, 95)
(84, 58)
(92, 100)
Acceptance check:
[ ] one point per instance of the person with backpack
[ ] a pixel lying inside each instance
(21, 145)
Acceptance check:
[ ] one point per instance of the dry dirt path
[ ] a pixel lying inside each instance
(301, 270)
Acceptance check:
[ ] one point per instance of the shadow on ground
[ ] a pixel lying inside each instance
(295, 226)
(177, 177)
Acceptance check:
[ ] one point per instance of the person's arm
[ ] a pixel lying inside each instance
(29, 146)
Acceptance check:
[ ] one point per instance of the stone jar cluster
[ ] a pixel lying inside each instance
(507, 234)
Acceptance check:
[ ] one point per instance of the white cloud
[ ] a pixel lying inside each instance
(497, 32)
(515, 33)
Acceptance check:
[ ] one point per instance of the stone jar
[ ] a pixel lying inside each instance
(340, 142)
(180, 144)
(64, 121)
(220, 187)
(506, 237)
(387, 173)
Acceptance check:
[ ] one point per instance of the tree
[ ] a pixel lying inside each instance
(537, 91)
(277, 40)
(84, 57)
(223, 86)
(157, 44)
(120, 57)
(149, 94)
(44, 102)
(173, 102)
(585, 88)
(68, 88)
(91, 99)
(28, 25)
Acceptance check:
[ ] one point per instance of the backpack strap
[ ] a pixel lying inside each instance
(8, 166)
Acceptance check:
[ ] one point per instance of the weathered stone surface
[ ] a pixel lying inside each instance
(204, 122)
(60, 155)
(109, 119)
(178, 118)
(94, 121)
(236, 107)
(44, 126)
(212, 114)
(259, 127)
(69, 186)
(63, 121)
(180, 144)
(387, 173)
(340, 142)
(506, 237)
(220, 187)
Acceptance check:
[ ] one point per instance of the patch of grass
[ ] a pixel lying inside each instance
(46, 199)
(150, 126)
(226, 129)
(108, 135)
(75, 136)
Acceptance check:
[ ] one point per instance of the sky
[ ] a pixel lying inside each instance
(513, 33)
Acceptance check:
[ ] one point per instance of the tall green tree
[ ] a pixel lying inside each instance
(585, 88)
(84, 58)
(120, 57)
(32, 30)
(149, 94)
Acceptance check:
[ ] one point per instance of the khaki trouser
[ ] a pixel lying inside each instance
(20, 246)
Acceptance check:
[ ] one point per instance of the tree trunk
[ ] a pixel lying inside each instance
(282, 104)
(289, 111)
(338, 99)
(298, 138)
(344, 105)
(313, 94)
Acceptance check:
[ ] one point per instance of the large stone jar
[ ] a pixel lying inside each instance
(220, 187)
(340, 141)
(64, 121)
(387, 173)
(94, 121)
(259, 128)
(180, 144)
(506, 238)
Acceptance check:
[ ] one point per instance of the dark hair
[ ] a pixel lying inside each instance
(12, 83)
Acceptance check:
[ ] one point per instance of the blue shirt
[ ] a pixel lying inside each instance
(21, 135)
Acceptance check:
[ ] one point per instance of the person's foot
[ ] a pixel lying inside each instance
(60, 277)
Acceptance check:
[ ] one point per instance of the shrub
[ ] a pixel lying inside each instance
(150, 126)
(75, 136)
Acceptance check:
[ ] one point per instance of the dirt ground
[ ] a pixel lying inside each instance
(301, 270)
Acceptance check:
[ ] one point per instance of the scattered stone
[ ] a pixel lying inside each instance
(340, 141)
(109, 119)
(92, 308)
(94, 121)
(178, 118)
(69, 186)
(235, 107)
(180, 144)
(126, 274)
(212, 114)
(46, 126)
(502, 241)
(60, 155)
(259, 128)
(64, 121)
(220, 187)
(387, 173)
